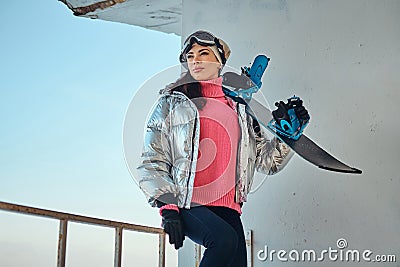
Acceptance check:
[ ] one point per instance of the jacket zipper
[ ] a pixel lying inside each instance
(191, 157)
(191, 164)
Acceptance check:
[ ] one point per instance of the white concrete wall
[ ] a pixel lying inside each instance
(342, 57)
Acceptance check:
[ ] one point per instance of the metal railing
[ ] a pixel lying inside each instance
(64, 218)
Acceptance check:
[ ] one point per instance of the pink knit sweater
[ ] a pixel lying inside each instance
(214, 183)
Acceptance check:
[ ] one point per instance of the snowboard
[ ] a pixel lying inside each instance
(240, 88)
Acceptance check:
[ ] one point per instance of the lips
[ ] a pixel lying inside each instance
(195, 70)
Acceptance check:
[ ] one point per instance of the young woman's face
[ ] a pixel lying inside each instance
(202, 63)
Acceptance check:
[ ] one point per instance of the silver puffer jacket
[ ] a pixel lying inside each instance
(171, 142)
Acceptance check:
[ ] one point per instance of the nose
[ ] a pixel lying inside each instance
(196, 58)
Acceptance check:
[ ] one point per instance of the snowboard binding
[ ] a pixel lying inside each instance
(249, 82)
(290, 119)
(257, 69)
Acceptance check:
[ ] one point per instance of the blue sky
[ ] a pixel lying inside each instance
(66, 83)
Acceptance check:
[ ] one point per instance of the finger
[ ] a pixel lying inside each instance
(305, 117)
(302, 112)
(299, 102)
(177, 244)
(166, 227)
(300, 108)
(180, 237)
(172, 235)
(176, 236)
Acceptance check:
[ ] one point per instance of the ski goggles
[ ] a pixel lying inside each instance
(202, 38)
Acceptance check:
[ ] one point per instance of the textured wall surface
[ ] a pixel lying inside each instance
(342, 57)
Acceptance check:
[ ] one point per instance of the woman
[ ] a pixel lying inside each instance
(200, 153)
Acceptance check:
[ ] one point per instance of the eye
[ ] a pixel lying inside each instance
(189, 56)
(205, 53)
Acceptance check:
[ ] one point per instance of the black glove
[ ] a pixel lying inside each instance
(301, 111)
(281, 113)
(172, 224)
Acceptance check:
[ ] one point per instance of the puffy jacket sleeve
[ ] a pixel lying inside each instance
(156, 162)
(272, 154)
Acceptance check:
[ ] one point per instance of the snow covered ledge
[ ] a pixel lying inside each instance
(164, 16)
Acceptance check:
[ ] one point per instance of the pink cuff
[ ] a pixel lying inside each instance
(169, 207)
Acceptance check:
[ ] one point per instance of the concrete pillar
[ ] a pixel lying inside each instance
(342, 57)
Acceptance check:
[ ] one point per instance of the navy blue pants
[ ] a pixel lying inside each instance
(220, 231)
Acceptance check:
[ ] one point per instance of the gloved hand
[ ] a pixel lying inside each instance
(301, 111)
(172, 224)
(290, 118)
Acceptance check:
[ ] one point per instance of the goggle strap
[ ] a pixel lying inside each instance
(220, 47)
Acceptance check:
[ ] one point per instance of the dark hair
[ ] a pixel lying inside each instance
(188, 86)
(192, 89)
